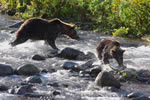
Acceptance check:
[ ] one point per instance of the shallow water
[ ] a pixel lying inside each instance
(137, 57)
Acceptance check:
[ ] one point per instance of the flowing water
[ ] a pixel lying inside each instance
(137, 56)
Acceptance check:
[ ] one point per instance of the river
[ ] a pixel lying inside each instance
(137, 56)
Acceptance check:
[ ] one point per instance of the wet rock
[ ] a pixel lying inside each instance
(134, 94)
(56, 92)
(90, 55)
(53, 84)
(71, 54)
(142, 98)
(95, 70)
(107, 79)
(70, 65)
(51, 70)
(28, 69)
(129, 73)
(21, 90)
(3, 87)
(86, 65)
(44, 71)
(5, 70)
(143, 73)
(34, 79)
(16, 25)
(38, 57)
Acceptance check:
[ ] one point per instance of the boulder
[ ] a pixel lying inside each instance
(28, 69)
(70, 53)
(107, 79)
(5, 70)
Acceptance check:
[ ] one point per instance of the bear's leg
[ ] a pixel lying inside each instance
(105, 58)
(52, 44)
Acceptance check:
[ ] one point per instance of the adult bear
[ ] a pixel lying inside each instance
(108, 49)
(41, 29)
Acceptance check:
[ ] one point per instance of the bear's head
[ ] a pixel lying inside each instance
(71, 33)
(117, 53)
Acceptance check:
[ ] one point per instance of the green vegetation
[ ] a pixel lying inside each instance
(127, 18)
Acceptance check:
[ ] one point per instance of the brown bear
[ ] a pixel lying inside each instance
(108, 49)
(41, 29)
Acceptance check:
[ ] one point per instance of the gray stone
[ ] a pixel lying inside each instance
(107, 79)
(70, 53)
(95, 70)
(28, 69)
(70, 65)
(38, 57)
(34, 79)
(5, 70)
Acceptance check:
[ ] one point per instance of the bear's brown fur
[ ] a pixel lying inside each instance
(108, 49)
(41, 29)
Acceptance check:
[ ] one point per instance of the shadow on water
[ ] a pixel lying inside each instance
(137, 56)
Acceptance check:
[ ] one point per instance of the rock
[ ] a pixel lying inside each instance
(90, 55)
(129, 73)
(44, 71)
(56, 92)
(5, 70)
(143, 73)
(22, 90)
(70, 53)
(107, 79)
(38, 57)
(34, 79)
(95, 70)
(16, 25)
(86, 65)
(53, 84)
(70, 65)
(28, 69)
(142, 98)
(134, 95)
(3, 87)
(51, 70)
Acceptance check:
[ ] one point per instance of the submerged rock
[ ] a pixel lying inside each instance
(28, 69)
(38, 57)
(34, 79)
(5, 70)
(107, 79)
